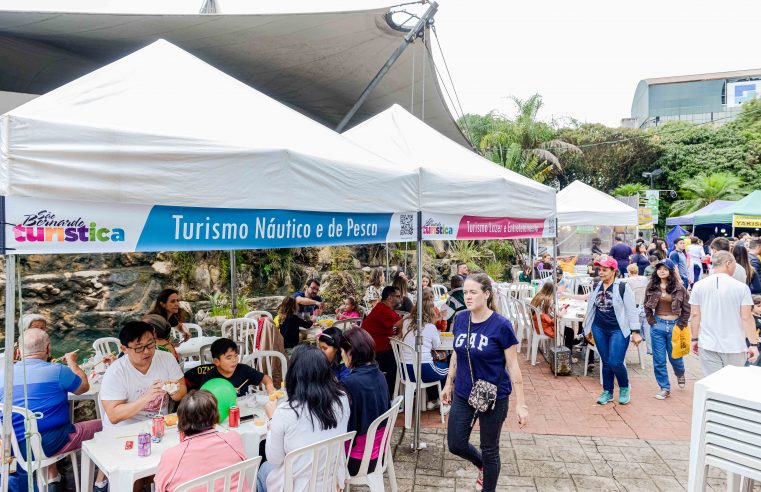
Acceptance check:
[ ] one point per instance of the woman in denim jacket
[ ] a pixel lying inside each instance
(612, 318)
(667, 304)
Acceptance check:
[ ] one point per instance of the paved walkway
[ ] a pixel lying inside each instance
(565, 405)
(571, 443)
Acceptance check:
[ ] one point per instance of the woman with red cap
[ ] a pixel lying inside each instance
(612, 318)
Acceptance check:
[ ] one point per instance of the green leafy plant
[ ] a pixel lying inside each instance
(699, 191)
(184, 266)
(629, 189)
(470, 252)
(220, 305)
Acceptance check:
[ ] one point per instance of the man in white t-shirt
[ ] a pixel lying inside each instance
(135, 387)
(722, 318)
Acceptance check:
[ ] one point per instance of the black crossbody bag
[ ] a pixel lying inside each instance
(483, 395)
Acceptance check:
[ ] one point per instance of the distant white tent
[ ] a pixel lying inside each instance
(579, 204)
(453, 179)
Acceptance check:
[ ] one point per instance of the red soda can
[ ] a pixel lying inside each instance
(157, 426)
(234, 417)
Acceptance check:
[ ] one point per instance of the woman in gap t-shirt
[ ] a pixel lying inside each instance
(492, 348)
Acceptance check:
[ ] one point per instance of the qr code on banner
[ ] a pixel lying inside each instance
(406, 227)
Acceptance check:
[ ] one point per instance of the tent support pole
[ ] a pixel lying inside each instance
(733, 225)
(408, 39)
(10, 321)
(419, 334)
(555, 292)
(233, 285)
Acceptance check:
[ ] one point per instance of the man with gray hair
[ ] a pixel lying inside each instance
(48, 387)
(722, 318)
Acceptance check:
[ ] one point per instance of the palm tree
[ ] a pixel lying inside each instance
(629, 189)
(700, 190)
(524, 144)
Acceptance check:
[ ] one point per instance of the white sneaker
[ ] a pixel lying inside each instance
(663, 395)
(432, 405)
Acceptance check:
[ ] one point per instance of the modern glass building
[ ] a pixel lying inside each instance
(700, 98)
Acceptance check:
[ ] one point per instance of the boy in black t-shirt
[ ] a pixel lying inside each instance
(224, 353)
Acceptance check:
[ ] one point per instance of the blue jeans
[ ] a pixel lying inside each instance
(611, 345)
(490, 424)
(261, 476)
(661, 333)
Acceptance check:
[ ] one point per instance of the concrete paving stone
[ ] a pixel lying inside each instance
(532, 452)
(612, 454)
(433, 481)
(459, 469)
(657, 469)
(641, 455)
(585, 482)
(626, 470)
(555, 485)
(569, 454)
(529, 468)
(430, 458)
(405, 455)
(426, 488)
(667, 483)
(717, 483)
(594, 455)
(580, 469)
(514, 481)
(556, 440)
(602, 468)
(643, 484)
(404, 470)
(521, 437)
(510, 469)
(679, 468)
(673, 452)
(619, 441)
(714, 472)
(430, 472)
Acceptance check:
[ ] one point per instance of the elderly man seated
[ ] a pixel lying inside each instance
(48, 385)
(135, 387)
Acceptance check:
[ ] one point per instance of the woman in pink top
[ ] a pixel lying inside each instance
(203, 449)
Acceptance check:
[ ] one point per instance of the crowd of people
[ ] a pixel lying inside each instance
(342, 383)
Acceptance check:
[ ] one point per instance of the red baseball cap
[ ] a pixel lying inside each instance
(606, 261)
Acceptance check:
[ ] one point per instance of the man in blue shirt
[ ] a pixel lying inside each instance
(680, 260)
(621, 253)
(48, 386)
(308, 299)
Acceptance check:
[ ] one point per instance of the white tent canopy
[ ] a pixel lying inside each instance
(453, 179)
(579, 204)
(162, 127)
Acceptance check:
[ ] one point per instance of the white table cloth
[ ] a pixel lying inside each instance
(123, 467)
(192, 347)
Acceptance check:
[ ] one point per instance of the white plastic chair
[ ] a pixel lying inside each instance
(407, 379)
(544, 274)
(263, 361)
(39, 462)
(241, 330)
(586, 289)
(246, 469)
(257, 315)
(385, 460)
(191, 327)
(204, 354)
(536, 338)
(329, 454)
(102, 346)
(438, 291)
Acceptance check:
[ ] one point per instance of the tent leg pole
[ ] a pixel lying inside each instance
(10, 322)
(419, 335)
(233, 285)
(555, 294)
(733, 225)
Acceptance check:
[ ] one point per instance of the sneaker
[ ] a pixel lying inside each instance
(681, 381)
(663, 395)
(480, 479)
(624, 396)
(56, 486)
(101, 488)
(605, 397)
(432, 405)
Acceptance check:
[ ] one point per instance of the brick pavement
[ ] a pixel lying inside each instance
(565, 405)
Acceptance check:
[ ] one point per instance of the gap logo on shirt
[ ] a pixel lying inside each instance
(482, 341)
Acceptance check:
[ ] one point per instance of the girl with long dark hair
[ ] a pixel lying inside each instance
(288, 322)
(751, 277)
(401, 284)
(368, 394)
(168, 305)
(485, 356)
(667, 304)
(329, 341)
(316, 409)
